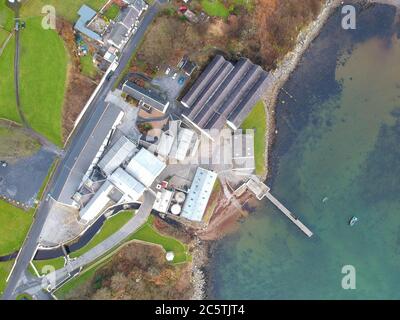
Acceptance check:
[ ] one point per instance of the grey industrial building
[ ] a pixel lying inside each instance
(224, 93)
(125, 23)
(149, 97)
(99, 135)
(116, 155)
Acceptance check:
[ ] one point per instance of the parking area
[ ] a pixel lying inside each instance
(21, 180)
(171, 83)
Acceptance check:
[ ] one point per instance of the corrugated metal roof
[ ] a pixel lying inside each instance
(224, 93)
(183, 143)
(199, 194)
(101, 130)
(116, 155)
(165, 144)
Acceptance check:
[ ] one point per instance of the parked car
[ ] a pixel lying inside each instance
(181, 80)
(174, 76)
(167, 71)
(110, 74)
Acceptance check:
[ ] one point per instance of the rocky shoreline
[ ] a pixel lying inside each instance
(202, 251)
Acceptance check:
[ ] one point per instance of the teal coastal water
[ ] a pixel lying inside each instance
(337, 155)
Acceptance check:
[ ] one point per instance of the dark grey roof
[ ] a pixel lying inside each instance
(202, 81)
(149, 97)
(239, 114)
(128, 16)
(224, 92)
(99, 133)
(118, 34)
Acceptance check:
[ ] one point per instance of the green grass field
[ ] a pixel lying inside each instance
(257, 120)
(88, 67)
(5, 268)
(14, 225)
(67, 9)
(147, 233)
(112, 12)
(43, 74)
(8, 104)
(15, 143)
(3, 36)
(111, 226)
(6, 16)
(56, 263)
(215, 8)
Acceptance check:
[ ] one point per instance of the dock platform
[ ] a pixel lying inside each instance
(261, 190)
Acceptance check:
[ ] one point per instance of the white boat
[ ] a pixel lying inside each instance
(353, 221)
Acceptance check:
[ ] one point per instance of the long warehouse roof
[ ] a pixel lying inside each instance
(225, 93)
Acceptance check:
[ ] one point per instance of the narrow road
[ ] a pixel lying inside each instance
(74, 147)
(53, 279)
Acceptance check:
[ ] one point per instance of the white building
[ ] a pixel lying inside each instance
(145, 167)
(128, 185)
(182, 145)
(163, 200)
(199, 194)
(98, 203)
(165, 144)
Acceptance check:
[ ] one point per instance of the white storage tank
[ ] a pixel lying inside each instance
(180, 197)
(176, 209)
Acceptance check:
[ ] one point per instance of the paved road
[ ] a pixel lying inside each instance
(75, 145)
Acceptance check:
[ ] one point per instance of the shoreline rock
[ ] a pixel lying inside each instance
(201, 253)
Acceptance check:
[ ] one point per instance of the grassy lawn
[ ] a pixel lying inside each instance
(68, 9)
(43, 74)
(257, 120)
(85, 276)
(112, 12)
(56, 263)
(5, 268)
(15, 143)
(3, 36)
(147, 233)
(111, 226)
(8, 105)
(215, 8)
(14, 225)
(6, 16)
(88, 67)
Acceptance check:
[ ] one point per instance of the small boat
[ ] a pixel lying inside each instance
(353, 221)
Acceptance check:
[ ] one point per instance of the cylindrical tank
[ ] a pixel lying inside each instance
(180, 197)
(176, 209)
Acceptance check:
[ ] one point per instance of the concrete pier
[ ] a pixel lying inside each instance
(261, 190)
(288, 214)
